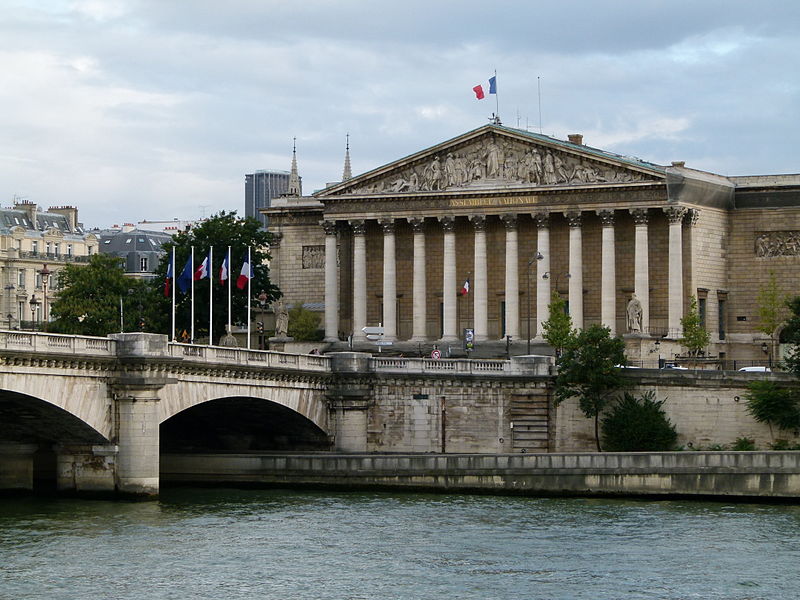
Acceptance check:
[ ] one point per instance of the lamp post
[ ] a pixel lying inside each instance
(531, 260)
(45, 273)
(10, 302)
(766, 350)
(34, 302)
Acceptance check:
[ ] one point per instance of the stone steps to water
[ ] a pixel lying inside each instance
(530, 418)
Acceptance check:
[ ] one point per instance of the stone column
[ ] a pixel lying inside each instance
(641, 269)
(449, 297)
(359, 280)
(481, 283)
(389, 281)
(349, 399)
(420, 293)
(608, 274)
(331, 283)
(512, 276)
(675, 215)
(575, 268)
(542, 267)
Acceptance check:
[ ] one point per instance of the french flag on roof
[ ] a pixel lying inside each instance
(486, 88)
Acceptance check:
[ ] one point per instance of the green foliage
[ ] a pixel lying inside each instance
(88, 302)
(588, 371)
(304, 324)
(557, 330)
(744, 444)
(781, 444)
(638, 425)
(769, 403)
(219, 231)
(791, 333)
(771, 306)
(695, 337)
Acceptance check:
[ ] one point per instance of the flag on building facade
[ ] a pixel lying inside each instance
(245, 275)
(486, 88)
(465, 288)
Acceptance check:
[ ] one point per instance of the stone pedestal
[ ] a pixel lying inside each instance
(83, 468)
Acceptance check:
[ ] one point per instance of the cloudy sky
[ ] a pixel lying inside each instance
(155, 109)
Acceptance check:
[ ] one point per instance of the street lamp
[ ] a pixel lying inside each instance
(45, 273)
(34, 302)
(533, 259)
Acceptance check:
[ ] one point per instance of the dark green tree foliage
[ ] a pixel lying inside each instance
(695, 337)
(304, 324)
(638, 425)
(557, 330)
(219, 232)
(774, 405)
(88, 302)
(588, 370)
(791, 333)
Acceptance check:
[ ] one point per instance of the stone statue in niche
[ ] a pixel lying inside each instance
(281, 319)
(634, 315)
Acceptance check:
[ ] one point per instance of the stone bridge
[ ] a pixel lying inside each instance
(94, 414)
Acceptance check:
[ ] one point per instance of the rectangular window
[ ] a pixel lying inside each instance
(38, 280)
(723, 317)
(48, 248)
(701, 311)
(69, 249)
(35, 247)
(21, 279)
(57, 249)
(503, 318)
(143, 264)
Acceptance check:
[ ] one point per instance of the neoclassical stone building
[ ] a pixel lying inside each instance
(519, 215)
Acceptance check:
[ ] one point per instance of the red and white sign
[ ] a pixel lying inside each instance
(436, 354)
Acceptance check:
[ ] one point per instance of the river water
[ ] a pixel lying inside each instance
(226, 544)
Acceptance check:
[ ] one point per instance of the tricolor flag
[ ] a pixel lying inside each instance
(223, 271)
(465, 288)
(245, 275)
(482, 89)
(201, 272)
(185, 278)
(168, 278)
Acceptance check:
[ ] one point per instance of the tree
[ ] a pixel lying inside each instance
(791, 333)
(557, 330)
(220, 231)
(93, 298)
(638, 425)
(695, 337)
(304, 324)
(771, 308)
(589, 370)
(772, 404)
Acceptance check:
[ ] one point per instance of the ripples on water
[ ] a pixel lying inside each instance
(234, 544)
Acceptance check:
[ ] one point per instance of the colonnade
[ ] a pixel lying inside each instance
(420, 293)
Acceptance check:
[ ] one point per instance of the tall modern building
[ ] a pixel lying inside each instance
(260, 189)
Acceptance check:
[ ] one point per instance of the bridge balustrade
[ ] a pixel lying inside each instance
(242, 356)
(54, 343)
(426, 365)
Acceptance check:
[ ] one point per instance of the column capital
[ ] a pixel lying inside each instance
(573, 217)
(640, 215)
(387, 225)
(329, 227)
(359, 228)
(542, 219)
(479, 222)
(448, 224)
(417, 224)
(692, 216)
(606, 217)
(509, 220)
(675, 214)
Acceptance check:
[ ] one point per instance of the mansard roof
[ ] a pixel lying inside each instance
(499, 157)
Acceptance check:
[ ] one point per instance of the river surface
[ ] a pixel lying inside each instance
(226, 544)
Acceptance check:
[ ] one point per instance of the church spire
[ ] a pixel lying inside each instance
(294, 179)
(347, 173)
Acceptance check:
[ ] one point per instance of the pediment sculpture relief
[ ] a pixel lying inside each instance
(498, 162)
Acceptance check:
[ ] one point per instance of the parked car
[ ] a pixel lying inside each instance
(757, 369)
(671, 365)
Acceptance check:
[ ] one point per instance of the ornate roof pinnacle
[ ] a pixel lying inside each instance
(347, 173)
(294, 179)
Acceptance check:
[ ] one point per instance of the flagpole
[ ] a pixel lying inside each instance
(249, 271)
(496, 96)
(191, 337)
(210, 296)
(229, 290)
(174, 285)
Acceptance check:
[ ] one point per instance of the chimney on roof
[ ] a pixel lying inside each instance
(678, 163)
(70, 212)
(575, 138)
(29, 208)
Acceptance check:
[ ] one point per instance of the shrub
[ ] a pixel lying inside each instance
(781, 444)
(638, 424)
(744, 444)
(768, 403)
(304, 324)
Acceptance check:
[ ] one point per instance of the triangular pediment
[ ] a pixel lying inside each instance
(499, 157)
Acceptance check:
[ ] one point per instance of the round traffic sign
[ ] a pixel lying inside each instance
(436, 354)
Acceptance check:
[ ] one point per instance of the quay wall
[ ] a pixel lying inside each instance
(693, 474)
